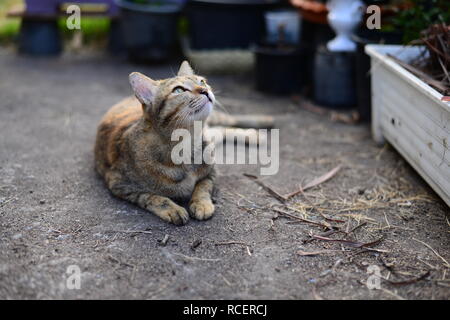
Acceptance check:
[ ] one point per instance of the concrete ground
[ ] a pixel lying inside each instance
(56, 212)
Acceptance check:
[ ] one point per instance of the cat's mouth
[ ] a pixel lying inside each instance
(206, 101)
(209, 98)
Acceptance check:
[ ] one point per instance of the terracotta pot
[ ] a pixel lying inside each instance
(312, 11)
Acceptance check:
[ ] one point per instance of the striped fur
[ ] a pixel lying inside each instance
(133, 146)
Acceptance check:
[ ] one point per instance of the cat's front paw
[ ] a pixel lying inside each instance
(171, 212)
(202, 209)
(166, 209)
(176, 215)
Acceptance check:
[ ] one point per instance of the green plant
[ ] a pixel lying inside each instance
(93, 28)
(419, 15)
(9, 30)
(9, 27)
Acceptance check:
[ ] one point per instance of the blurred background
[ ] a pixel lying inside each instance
(282, 43)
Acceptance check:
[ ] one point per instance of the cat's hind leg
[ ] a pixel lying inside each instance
(161, 206)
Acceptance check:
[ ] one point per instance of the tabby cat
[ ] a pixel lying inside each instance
(133, 145)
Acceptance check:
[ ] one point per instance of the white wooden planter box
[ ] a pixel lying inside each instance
(410, 115)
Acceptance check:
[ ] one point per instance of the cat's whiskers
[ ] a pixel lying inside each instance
(221, 106)
(184, 113)
(181, 117)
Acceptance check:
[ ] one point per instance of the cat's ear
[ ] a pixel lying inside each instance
(144, 88)
(185, 69)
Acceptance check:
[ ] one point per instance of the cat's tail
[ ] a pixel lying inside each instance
(218, 118)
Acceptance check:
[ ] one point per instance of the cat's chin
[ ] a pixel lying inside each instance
(202, 113)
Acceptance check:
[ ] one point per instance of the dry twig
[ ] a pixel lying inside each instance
(327, 176)
(434, 251)
(274, 193)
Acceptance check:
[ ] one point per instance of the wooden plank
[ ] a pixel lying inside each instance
(433, 146)
(421, 165)
(421, 132)
(378, 53)
(429, 109)
(413, 115)
(419, 139)
(421, 75)
(435, 138)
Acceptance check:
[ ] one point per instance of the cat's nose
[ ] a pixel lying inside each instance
(201, 90)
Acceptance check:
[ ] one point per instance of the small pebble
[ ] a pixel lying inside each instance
(196, 243)
(42, 201)
(17, 236)
(164, 241)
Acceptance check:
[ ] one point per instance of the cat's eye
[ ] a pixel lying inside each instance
(203, 82)
(178, 90)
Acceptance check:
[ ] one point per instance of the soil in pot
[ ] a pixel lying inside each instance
(280, 69)
(226, 24)
(362, 67)
(334, 81)
(149, 32)
(39, 37)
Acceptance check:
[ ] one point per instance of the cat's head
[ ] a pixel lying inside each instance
(177, 101)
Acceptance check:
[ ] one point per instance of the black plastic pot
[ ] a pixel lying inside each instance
(223, 24)
(313, 36)
(280, 70)
(362, 69)
(116, 44)
(334, 81)
(149, 32)
(39, 37)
